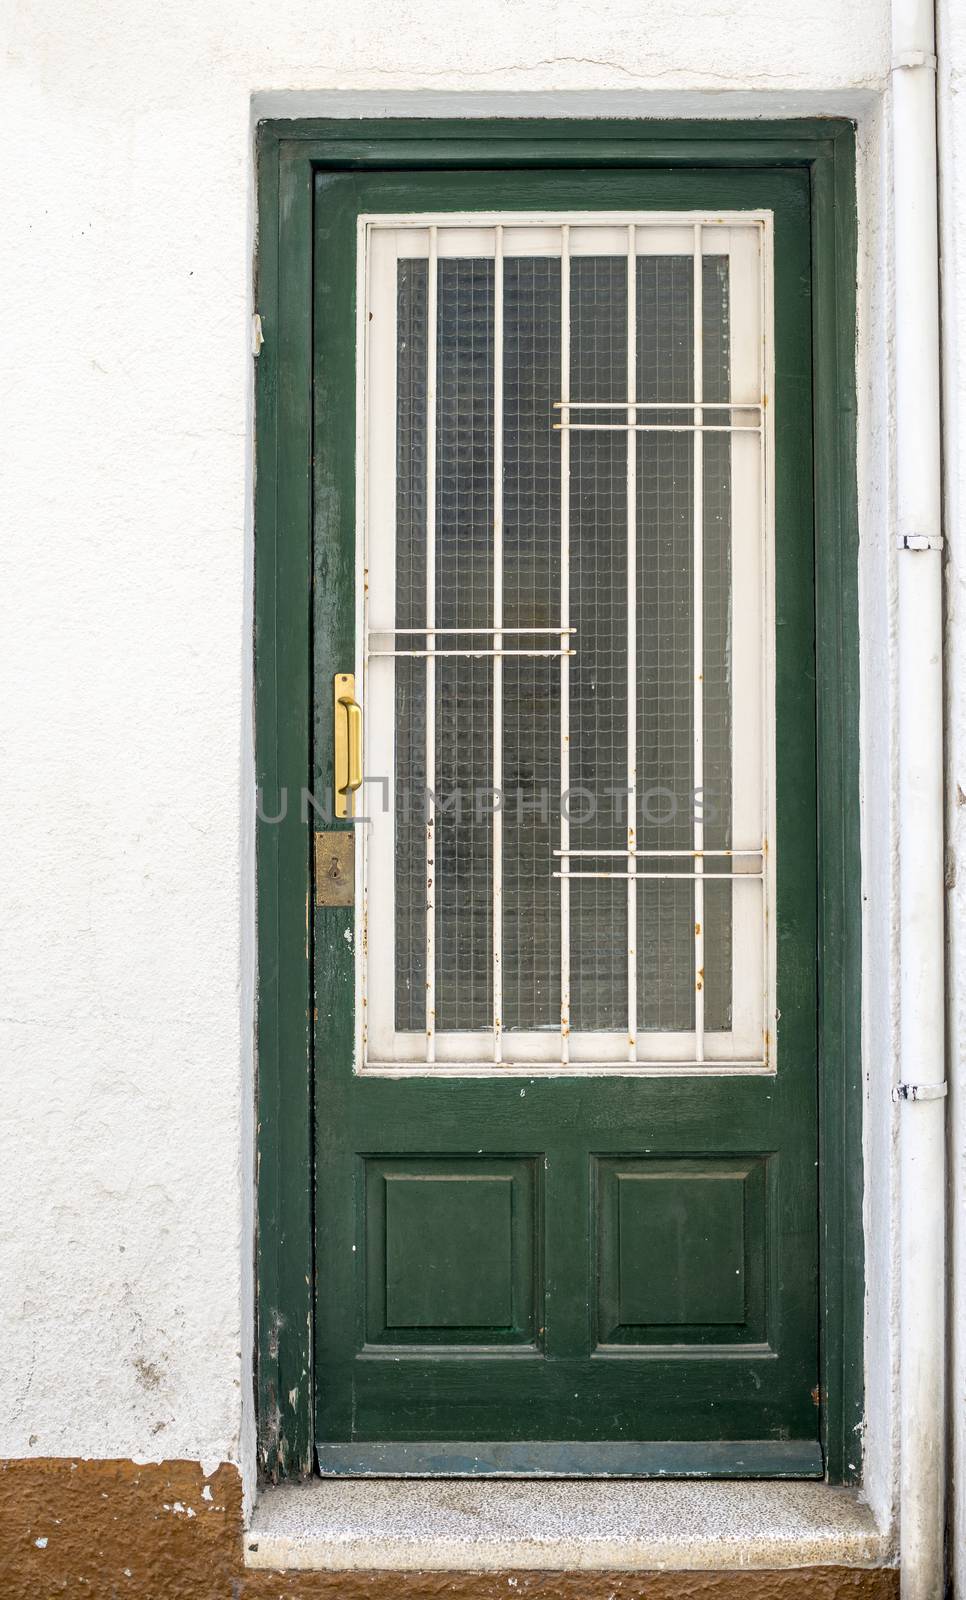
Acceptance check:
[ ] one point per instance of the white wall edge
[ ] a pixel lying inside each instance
(248, 1448)
(875, 388)
(663, 104)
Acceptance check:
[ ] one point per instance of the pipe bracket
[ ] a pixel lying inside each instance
(906, 59)
(919, 1091)
(919, 541)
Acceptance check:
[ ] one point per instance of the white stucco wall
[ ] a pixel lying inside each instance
(126, 906)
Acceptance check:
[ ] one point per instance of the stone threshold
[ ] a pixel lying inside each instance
(589, 1525)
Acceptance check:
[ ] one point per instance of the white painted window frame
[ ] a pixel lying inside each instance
(750, 1047)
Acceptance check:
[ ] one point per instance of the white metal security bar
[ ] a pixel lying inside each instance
(431, 361)
(496, 917)
(479, 655)
(564, 757)
(748, 1044)
(653, 427)
(697, 666)
(632, 1014)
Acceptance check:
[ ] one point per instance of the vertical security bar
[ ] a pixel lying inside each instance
(497, 642)
(431, 337)
(697, 809)
(564, 642)
(631, 642)
(765, 413)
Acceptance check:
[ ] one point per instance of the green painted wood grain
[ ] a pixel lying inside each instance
(282, 577)
(574, 1387)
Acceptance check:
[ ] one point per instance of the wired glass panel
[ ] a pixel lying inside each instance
(536, 635)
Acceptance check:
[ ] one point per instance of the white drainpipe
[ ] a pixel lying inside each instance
(922, 1088)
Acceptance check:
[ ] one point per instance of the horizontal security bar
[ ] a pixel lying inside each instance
(657, 405)
(479, 655)
(398, 633)
(670, 877)
(651, 854)
(557, 221)
(568, 1066)
(652, 427)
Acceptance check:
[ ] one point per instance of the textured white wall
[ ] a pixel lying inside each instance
(125, 913)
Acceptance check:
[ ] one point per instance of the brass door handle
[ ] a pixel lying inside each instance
(347, 742)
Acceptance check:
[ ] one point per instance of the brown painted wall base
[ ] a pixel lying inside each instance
(109, 1529)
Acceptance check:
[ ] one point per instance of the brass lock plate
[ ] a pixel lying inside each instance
(335, 869)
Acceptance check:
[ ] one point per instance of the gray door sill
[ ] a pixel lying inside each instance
(464, 1525)
(754, 1458)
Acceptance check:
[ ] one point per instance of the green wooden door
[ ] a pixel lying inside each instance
(565, 1049)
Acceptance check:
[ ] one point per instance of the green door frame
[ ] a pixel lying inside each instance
(289, 154)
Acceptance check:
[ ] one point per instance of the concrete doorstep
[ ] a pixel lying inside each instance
(446, 1525)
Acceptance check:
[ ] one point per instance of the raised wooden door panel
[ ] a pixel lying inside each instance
(682, 1251)
(565, 1088)
(451, 1252)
